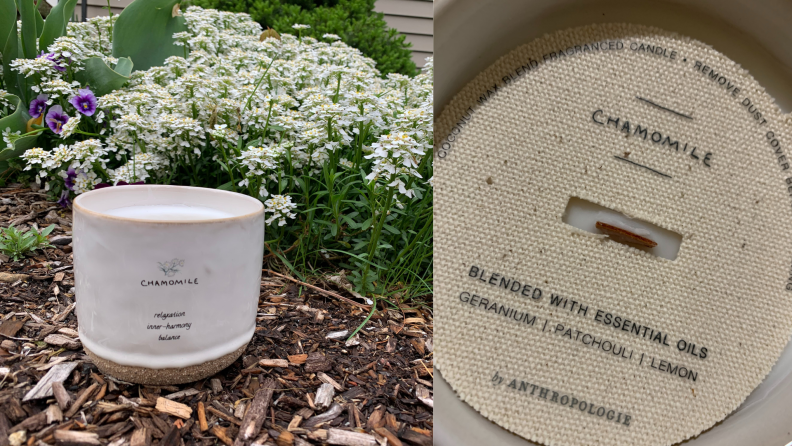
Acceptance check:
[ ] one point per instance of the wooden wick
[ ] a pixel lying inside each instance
(625, 236)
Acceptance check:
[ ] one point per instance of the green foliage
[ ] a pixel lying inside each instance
(353, 20)
(16, 244)
(15, 122)
(55, 25)
(9, 47)
(347, 221)
(26, 42)
(144, 32)
(101, 77)
(27, 11)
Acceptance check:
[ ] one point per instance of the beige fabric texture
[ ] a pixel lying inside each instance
(503, 178)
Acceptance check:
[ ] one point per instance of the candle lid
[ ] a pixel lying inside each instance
(567, 335)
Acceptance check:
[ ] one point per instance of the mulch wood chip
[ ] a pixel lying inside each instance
(300, 382)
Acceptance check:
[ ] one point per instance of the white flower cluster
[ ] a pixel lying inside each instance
(65, 57)
(93, 37)
(259, 161)
(5, 101)
(87, 155)
(67, 54)
(281, 208)
(9, 137)
(395, 154)
(70, 126)
(85, 181)
(245, 103)
(30, 67)
(69, 51)
(56, 87)
(140, 168)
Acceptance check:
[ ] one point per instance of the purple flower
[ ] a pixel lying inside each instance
(38, 106)
(71, 174)
(56, 119)
(64, 199)
(56, 61)
(84, 102)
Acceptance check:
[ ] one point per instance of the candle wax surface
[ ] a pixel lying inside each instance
(168, 212)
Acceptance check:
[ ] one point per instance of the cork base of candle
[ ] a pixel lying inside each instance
(178, 375)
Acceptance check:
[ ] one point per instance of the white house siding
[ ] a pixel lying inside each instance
(98, 7)
(414, 19)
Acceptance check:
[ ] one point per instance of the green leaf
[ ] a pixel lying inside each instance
(226, 186)
(20, 146)
(391, 229)
(289, 265)
(27, 242)
(101, 78)
(27, 11)
(124, 66)
(39, 23)
(254, 143)
(361, 258)
(222, 164)
(16, 121)
(47, 230)
(348, 219)
(8, 43)
(55, 25)
(366, 224)
(144, 33)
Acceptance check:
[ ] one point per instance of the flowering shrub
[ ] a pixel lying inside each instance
(39, 75)
(355, 21)
(336, 153)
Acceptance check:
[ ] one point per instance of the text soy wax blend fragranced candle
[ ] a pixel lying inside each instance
(167, 279)
(613, 238)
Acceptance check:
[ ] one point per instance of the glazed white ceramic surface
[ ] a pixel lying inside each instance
(131, 273)
(470, 35)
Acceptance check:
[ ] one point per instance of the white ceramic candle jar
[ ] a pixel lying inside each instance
(167, 279)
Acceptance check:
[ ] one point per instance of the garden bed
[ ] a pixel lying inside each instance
(299, 382)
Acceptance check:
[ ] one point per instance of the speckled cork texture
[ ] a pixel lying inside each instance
(568, 338)
(160, 377)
